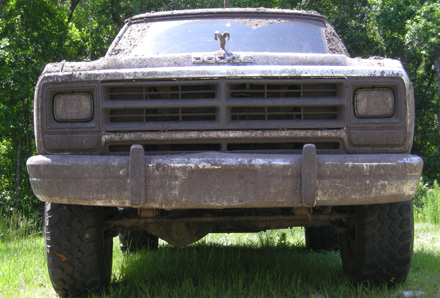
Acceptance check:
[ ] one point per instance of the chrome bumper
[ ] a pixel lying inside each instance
(213, 180)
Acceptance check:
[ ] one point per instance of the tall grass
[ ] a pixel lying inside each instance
(13, 227)
(267, 264)
(22, 258)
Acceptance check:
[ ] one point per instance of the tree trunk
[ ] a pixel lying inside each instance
(437, 74)
(18, 164)
(17, 170)
(73, 5)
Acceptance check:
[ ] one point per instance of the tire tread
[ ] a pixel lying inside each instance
(383, 243)
(77, 248)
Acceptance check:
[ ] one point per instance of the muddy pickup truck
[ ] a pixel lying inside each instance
(224, 120)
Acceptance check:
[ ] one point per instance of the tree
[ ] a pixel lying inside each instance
(423, 37)
(423, 40)
(32, 33)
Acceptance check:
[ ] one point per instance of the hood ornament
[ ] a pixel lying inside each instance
(222, 38)
(222, 56)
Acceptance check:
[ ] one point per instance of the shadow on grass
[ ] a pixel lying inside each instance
(207, 270)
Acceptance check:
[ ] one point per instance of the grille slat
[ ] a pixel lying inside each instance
(267, 90)
(160, 92)
(163, 115)
(283, 113)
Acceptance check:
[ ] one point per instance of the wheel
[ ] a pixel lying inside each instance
(377, 247)
(321, 238)
(136, 240)
(78, 248)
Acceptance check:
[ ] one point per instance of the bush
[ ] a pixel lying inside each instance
(426, 203)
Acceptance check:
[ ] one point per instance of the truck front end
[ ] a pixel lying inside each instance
(231, 121)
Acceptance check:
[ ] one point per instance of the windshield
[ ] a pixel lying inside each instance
(245, 35)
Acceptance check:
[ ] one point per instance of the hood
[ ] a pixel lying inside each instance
(204, 60)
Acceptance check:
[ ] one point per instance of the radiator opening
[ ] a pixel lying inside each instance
(162, 92)
(230, 147)
(281, 146)
(283, 113)
(251, 90)
(163, 115)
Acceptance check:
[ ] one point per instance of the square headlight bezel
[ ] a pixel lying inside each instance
(48, 92)
(401, 97)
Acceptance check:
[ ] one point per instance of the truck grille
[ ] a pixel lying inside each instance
(223, 105)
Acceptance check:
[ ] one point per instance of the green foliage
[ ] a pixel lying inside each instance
(423, 31)
(427, 203)
(422, 40)
(32, 33)
(389, 19)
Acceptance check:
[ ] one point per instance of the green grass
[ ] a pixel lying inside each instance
(270, 264)
(23, 271)
(425, 271)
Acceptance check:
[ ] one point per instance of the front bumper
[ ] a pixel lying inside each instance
(213, 180)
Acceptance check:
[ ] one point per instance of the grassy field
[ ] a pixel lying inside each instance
(269, 264)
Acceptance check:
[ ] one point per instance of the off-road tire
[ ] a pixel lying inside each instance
(136, 240)
(78, 248)
(378, 246)
(323, 238)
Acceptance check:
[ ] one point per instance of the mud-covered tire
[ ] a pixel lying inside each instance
(324, 238)
(136, 240)
(378, 246)
(78, 248)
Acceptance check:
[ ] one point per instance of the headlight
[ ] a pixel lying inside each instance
(374, 103)
(73, 107)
